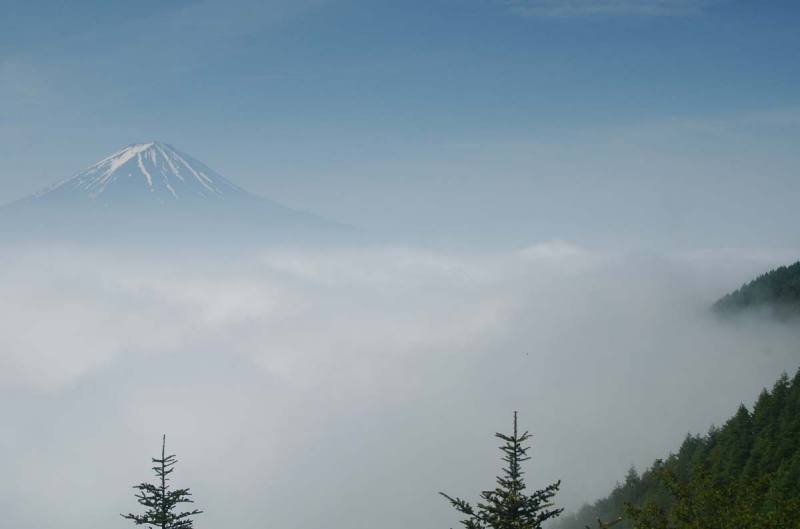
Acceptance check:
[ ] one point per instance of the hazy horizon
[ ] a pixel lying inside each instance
(666, 124)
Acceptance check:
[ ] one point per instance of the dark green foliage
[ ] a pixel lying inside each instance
(160, 500)
(776, 292)
(606, 525)
(507, 506)
(743, 475)
(706, 503)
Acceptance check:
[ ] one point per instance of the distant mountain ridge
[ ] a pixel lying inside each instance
(776, 293)
(152, 192)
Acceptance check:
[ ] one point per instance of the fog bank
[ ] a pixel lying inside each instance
(343, 388)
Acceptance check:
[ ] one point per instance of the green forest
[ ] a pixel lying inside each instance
(742, 475)
(776, 292)
(745, 474)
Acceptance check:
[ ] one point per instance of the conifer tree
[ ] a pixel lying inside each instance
(160, 500)
(606, 525)
(744, 475)
(507, 506)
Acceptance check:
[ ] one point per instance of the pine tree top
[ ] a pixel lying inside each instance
(160, 500)
(507, 506)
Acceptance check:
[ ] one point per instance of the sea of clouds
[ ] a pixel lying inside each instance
(343, 388)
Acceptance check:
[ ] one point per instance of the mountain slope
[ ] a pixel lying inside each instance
(777, 293)
(756, 450)
(152, 192)
(145, 171)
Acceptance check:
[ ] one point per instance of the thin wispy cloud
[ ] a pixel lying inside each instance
(586, 8)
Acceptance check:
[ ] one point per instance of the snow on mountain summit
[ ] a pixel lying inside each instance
(151, 171)
(154, 193)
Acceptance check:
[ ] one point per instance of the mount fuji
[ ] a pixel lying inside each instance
(152, 171)
(154, 192)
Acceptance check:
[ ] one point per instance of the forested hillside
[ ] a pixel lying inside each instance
(745, 474)
(777, 292)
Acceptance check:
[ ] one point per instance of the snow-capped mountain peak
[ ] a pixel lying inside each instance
(152, 171)
(154, 193)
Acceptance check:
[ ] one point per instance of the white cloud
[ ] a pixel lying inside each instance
(583, 8)
(559, 251)
(355, 373)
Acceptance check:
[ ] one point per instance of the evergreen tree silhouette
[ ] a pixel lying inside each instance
(507, 506)
(160, 500)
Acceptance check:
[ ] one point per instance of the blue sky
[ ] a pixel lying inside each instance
(445, 118)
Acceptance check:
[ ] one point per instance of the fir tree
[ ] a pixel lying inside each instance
(744, 475)
(160, 500)
(777, 292)
(507, 506)
(702, 503)
(606, 525)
